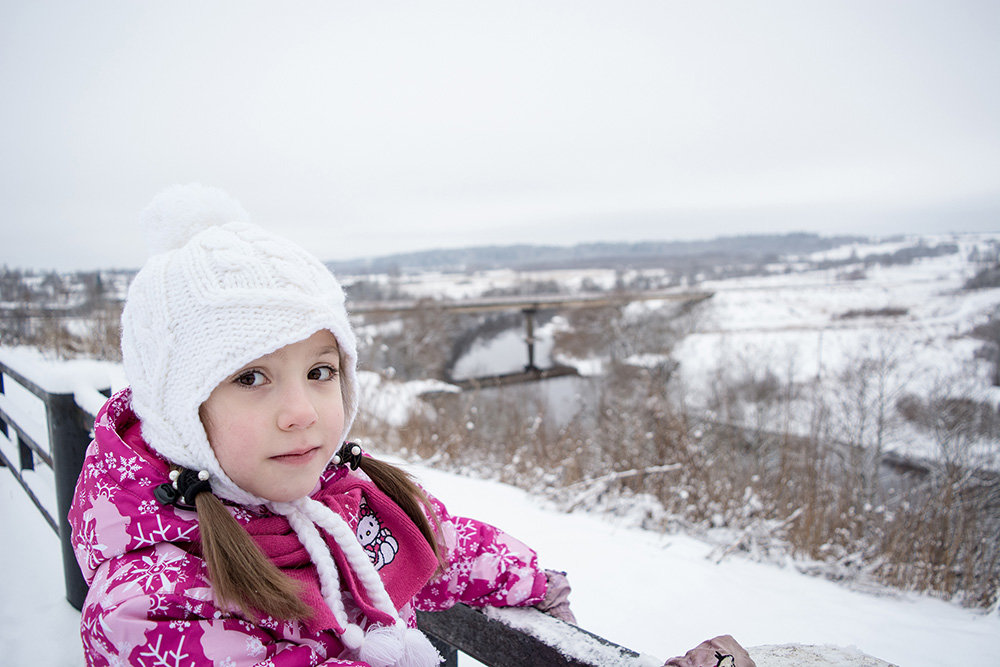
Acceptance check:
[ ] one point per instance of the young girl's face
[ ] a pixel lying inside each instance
(276, 423)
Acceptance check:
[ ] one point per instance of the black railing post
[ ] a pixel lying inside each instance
(69, 436)
(25, 455)
(3, 424)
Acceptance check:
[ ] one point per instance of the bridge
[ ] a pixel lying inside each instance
(529, 305)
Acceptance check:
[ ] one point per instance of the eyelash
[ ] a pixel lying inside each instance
(333, 373)
(247, 374)
(251, 373)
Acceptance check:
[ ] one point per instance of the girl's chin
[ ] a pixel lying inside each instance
(285, 496)
(290, 490)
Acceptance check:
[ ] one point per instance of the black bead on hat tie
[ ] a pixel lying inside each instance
(348, 454)
(184, 487)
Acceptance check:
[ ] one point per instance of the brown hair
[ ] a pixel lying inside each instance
(242, 574)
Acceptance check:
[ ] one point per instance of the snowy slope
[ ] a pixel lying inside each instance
(656, 594)
(801, 317)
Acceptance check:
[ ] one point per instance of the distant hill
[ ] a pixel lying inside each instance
(749, 248)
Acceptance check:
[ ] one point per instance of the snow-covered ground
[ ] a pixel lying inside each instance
(910, 322)
(657, 594)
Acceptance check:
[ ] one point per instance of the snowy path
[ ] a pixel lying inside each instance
(656, 594)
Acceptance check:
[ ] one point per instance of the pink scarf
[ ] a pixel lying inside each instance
(411, 564)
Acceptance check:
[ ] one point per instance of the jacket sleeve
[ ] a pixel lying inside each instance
(131, 617)
(485, 567)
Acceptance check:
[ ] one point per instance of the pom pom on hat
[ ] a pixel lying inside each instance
(181, 211)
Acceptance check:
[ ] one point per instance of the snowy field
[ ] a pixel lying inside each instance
(910, 321)
(811, 328)
(657, 594)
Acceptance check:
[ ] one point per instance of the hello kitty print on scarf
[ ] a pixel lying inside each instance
(378, 542)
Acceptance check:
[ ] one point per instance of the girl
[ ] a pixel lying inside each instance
(219, 518)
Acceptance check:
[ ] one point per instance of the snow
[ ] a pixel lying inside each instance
(656, 594)
(37, 625)
(61, 376)
(796, 655)
(437, 285)
(553, 632)
(794, 325)
(662, 594)
(394, 402)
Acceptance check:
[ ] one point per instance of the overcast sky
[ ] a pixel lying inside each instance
(362, 129)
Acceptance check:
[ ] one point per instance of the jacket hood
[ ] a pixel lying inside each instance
(114, 509)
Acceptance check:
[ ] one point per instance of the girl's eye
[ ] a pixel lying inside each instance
(250, 379)
(323, 373)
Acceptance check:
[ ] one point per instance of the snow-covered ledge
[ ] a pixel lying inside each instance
(509, 637)
(800, 655)
(513, 637)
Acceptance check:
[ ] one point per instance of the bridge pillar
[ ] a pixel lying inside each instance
(529, 323)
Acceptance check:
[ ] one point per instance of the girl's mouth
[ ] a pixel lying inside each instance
(300, 456)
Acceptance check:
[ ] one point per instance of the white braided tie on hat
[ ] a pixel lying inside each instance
(379, 646)
(347, 540)
(316, 547)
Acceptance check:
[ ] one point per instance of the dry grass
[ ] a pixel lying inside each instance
(924, 530)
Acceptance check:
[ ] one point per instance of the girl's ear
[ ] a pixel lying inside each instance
(204, 419)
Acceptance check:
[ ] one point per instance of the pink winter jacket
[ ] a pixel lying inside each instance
(150, 601)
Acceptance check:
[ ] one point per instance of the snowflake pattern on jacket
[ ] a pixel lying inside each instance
(150, 601)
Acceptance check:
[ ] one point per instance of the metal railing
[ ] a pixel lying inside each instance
(514, 637)
(69, 433)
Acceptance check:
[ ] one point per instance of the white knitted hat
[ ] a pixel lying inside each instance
(216, 294)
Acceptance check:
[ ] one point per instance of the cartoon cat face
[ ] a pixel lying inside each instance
(368, 528)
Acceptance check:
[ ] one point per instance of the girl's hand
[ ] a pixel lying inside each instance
(556, 602)
(721, 651)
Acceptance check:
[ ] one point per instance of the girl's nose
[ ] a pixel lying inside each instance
(297, 410)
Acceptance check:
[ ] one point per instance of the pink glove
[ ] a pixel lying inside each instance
(556, 602)
(722, 651)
